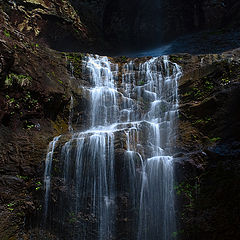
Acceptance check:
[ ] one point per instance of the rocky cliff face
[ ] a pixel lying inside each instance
(35, 90)
(209, 133)
(144, 23)
(113, 26)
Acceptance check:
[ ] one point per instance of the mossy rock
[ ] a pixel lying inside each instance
(75, 63)
(60, 126)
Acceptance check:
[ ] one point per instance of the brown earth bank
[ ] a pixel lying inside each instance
(35, 89)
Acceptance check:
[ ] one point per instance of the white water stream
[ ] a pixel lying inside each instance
(141, 107)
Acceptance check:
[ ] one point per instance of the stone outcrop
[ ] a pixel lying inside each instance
(36, 85)
(115, 26)
(132, 24)
(209, 141)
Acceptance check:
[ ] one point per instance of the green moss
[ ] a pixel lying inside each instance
(75, 58)
(10, 206)
(185, 188)
(38, 186)
(177, 233)
(187, 94)
(11, 100)
(215, 139)
(123, 58)
(199, 121)
(188, 191)
(76, 61)
(197, 93)
(175, 58)
(141, 83)
(60, 81)
(72, 218)
(225, 81)
(22, 177)
(208, 85)
(174, 234)
(28, 125)
(6, 33)
(21, 80)
(203, 121)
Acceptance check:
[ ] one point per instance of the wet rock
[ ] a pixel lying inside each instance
(208, 97)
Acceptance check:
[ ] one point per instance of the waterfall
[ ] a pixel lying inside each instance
(120, 169)
(47, 173)
(157, 212)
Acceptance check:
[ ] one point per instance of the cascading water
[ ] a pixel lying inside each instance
(135, 114)
(157, 213)
(47, 173)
